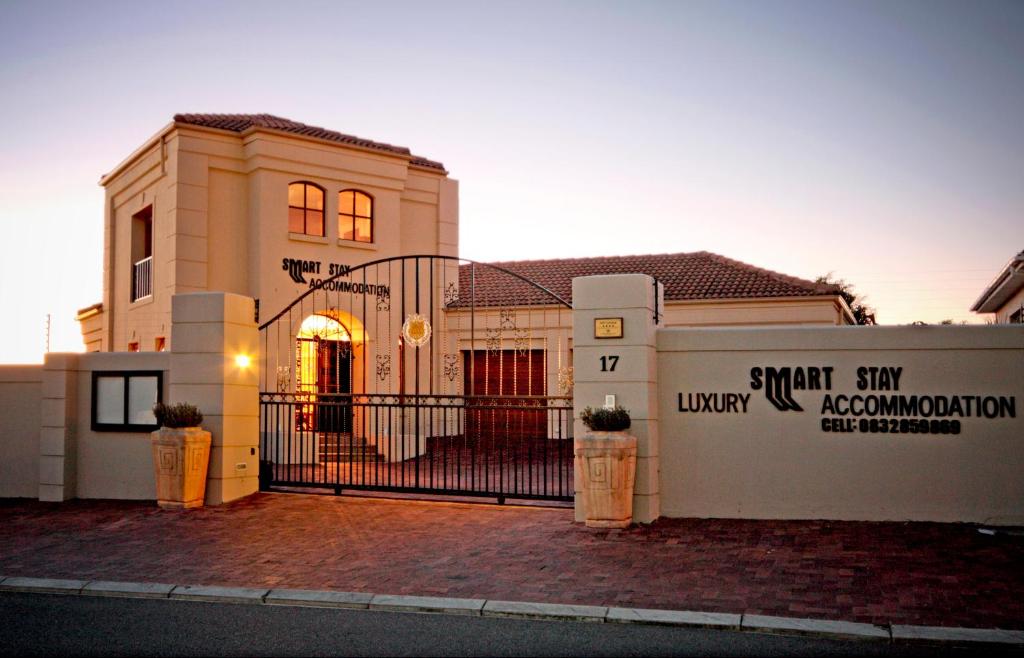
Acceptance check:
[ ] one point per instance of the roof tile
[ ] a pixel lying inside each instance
(686, 276)
(242, 122)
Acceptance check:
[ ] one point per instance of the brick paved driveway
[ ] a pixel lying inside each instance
(913, 573)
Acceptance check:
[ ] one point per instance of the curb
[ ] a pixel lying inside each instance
(818, 628)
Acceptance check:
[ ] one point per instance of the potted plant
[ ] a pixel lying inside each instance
(606, 465)
(181, 455)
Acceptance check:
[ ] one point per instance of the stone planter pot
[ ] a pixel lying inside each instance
(180, 459)
(606, 464)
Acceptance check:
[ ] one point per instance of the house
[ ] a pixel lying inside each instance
(1004, 297)
(311, 223)
(256, 205)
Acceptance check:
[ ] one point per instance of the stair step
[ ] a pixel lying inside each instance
(349, 455)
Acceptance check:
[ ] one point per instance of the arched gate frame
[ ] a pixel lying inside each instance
(420, 374)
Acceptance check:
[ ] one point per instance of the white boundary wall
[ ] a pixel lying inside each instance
(20, 393)
(716, 446)
(767, 463)
(51, 451)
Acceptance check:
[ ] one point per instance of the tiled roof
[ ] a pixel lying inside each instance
(690, 276)
(242, 122)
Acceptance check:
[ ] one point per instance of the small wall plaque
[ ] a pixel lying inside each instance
(607, 327)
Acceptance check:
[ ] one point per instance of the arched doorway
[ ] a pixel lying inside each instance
(323, 365)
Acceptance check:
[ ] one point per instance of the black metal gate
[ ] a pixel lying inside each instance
(420, 374)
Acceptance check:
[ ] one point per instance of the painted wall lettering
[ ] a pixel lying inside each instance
(728, 403)
(779, 383)
(297, 268)
(880, 409)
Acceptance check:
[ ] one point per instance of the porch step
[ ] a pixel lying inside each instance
(370, 456)
(342, 448)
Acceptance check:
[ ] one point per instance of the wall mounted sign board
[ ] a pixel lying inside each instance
(607, 327)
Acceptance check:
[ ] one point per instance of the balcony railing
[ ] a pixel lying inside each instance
(142, 279)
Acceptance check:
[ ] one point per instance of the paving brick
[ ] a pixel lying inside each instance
(919, 574)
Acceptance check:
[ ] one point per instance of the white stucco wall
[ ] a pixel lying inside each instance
(751, 460)
(113, 464)
(20, 394)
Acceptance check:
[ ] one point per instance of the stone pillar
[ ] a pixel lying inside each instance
(631, 377)
(58, 448)
(209, 331)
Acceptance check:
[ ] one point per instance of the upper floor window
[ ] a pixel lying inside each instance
(142, 253)
(305, 209)
(355, 216)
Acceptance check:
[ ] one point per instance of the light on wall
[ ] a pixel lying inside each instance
(242, 361)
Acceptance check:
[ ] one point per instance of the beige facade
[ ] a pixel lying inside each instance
(205, 206)
(217, 203)
(824, 310)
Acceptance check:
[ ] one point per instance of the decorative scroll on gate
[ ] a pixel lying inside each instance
(426, 374)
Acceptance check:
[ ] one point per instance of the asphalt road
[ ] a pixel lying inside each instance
(42, 624)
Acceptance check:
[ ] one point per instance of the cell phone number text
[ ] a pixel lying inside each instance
(890, 426)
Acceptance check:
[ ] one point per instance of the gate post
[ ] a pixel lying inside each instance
(625, 367)
(215, 366)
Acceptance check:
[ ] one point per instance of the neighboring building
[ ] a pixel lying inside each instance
(1004, 297)
(701, 289)
(271, 208)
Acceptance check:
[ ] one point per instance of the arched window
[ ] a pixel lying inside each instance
(305, 209)
(355, 216)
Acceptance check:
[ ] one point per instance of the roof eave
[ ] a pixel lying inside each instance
(1006, 284)
(838, 300)
(408, 158)
(89, 311)
(137, 153)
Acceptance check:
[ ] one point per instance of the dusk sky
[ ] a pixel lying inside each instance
(882, 142)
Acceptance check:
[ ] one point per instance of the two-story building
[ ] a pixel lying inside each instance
(275, 209)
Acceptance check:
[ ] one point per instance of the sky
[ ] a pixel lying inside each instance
(882, 142)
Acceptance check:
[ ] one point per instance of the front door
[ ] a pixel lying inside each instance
(333, 384)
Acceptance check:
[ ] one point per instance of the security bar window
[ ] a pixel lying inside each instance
(122, 400)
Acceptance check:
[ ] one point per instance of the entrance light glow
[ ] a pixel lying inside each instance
(243, 361)
(312, 331)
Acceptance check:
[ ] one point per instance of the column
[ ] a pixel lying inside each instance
(58, 454)
(214, 365)
(625, 367)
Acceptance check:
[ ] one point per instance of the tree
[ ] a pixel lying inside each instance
(862, 313)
